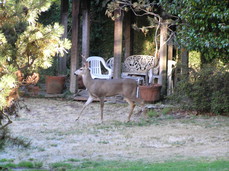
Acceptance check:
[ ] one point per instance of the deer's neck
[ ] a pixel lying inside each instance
(87, 79)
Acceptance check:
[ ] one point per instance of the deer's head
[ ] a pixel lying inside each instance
(83, 70)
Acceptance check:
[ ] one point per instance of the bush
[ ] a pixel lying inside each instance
(205, 90)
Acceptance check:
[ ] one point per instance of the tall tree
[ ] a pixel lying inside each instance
(62, 61)
(25, 46)
(74, 49)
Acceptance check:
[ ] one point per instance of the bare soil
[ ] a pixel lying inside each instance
(55, 135)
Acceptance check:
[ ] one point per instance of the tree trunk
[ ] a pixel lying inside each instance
(170, 52)
(203, 60)
(128, 34)
(184, 61)
(163, 57)
(74, 49)
(85, 28)
(62, 61)
(118, 31)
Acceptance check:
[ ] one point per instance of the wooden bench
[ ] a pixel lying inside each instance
(136, 66)
(139, 65)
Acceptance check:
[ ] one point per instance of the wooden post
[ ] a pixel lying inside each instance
(118, 31)
(163, 57)
(170, 51)
(184, 61)
(74, 49)
(85, 28)
(62, 61)
(128, 34)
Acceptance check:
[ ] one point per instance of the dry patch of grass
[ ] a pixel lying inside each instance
(55, 136)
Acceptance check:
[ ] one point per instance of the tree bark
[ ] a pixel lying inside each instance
(74, 49)
(128, 34)
(85, 28)
(62, 61)
(184, 61)
(163, 57)
(170, 52)
(118, 32)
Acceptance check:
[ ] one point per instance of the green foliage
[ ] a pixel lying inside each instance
(194, 59)
(144, 43)
(51, 16)
(31, 45)
(24, 11)
(25, 44)
(62, 166)
(204, 26)
(207, 91)
(38, 45)
(7, 83)
(7, 78)
(201, 25)
(152, 113)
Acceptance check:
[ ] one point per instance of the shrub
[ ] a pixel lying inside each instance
(26, 46)
(205, 90)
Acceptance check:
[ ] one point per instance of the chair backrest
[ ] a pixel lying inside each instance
(96, 63)
(139, 63)
(171, 65)
(110, 63)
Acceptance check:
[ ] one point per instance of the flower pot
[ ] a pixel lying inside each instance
(150, 93)
(80, 82)
(54, 84)
(33, 90)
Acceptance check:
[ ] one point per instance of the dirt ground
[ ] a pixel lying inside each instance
(55, 135)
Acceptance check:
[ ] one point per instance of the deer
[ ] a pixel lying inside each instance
(101, 88)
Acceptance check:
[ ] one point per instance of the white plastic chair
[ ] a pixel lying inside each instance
(96, 66)
(110, 63)
(171, 66)
(154, 75)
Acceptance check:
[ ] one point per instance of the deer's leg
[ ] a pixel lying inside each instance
(101, 107)
(143, 108)
(132, 105)
(89, 100)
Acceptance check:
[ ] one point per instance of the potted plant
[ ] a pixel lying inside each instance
(55, 84)
(55, 79)
(150, 92)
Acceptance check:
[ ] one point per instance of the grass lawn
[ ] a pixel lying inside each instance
(74, 164)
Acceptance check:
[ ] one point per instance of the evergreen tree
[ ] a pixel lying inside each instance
(25, 45)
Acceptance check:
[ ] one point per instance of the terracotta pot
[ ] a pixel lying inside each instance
(36, 90)
(80, 82)
(54, 84)
(33, 90)
(150, 93)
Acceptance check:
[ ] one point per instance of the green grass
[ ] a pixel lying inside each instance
(167, 166)
(9, 164)
(88, 165)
